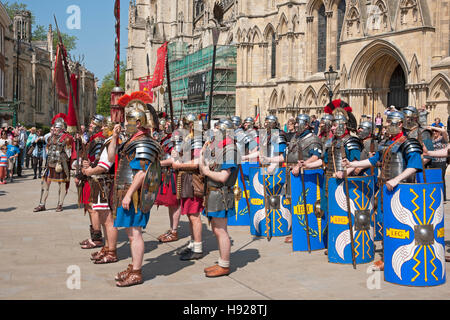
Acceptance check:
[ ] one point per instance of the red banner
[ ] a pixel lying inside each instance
(158, 75)
(58, 76)
(145, 84)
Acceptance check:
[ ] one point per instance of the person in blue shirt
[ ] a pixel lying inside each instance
(12, 153)
(334, 154)
(131, 209)
(315, 124)
(308, 143)
(397, 146)
(304, 148)
(437, 123)
(220, 167)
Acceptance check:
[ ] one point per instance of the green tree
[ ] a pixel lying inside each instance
(104, 92)
(12, 8)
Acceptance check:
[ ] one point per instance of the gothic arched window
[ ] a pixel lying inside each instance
(322, 40)
(274, 57)
(199, 7)
(39, 93)
(340, 16)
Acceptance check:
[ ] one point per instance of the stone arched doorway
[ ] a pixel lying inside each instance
(378, 78)
(397, 95)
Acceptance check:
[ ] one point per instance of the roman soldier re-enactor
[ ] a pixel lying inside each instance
(370, 144)
(400, 158)
(219, 164)
(60, 150)
(326, 122)
(136, 183)
(415, 130)
(251, 138)
(100, 175)
(271, 148)
(308, 144)
(239, 134)
(167, 194)
(93, 149)
(343, 145)
(190, 187)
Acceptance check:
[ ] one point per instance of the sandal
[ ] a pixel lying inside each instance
(170, 237)
(99, 254)
(84, 242)
(123, 274)
(92, 244)
(109, 257)
(91, 231)
(378, 265)
(39, 208)
(164, 235)
(134, 277)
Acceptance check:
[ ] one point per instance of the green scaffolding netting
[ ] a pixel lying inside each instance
(184, 66)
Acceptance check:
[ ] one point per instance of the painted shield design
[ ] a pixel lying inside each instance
(361, 194)
(317, 221)
(150, 187)
(279, 218)
(242, 216)
(414, 247)
(432, 176)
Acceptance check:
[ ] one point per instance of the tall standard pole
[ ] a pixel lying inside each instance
(215, 33)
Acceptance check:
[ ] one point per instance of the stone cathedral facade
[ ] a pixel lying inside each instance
(386, 52)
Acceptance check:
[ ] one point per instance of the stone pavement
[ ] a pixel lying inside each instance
(38, 249)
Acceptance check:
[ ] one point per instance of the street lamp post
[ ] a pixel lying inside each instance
(16, 93)
(330, 77)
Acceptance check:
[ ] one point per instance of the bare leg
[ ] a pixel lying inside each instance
(111, 231)
(219, 226)
(45, 186)
(196, 227)
(62, 193)
(174, 216)
(137, 246)
(102, 217)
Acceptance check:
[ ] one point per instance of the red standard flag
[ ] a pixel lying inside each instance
(72, 118)
(58, 76)
(158, 75)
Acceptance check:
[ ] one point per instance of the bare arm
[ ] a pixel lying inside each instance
(391, 184)
(167, 162)
(113, 144)
(442, 153)
(221, 176)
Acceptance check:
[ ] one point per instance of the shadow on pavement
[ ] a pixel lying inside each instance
(241, 258)
(2, 193)
(8, 209)
(164, 265)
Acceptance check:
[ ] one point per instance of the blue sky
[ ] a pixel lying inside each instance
(96, 35)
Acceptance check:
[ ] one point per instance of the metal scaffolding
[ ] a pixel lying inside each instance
(185, 66)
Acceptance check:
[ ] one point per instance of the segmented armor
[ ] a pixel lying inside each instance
(304, 145)
(394, 158)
